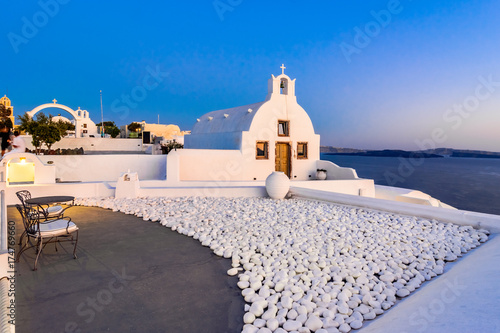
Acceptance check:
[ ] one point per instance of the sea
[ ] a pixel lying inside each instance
(464, 183)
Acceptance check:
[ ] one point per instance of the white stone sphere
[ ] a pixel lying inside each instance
(277, 185)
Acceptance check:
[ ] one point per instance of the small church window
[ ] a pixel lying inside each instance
(302, 150)
(283, 128)
(262, 150)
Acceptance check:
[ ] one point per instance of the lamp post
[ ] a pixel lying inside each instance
(102, 118)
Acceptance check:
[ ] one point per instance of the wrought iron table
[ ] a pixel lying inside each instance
(49, 199)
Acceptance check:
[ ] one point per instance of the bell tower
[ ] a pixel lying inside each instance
(281, 85)
(9, 109)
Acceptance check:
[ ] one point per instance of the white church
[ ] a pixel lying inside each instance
(249, 142)
(84, 126)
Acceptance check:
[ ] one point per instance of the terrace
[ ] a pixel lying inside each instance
(172, 283)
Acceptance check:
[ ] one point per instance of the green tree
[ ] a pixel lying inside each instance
(171, 146)
(50, 133)
(27, 124)
(37, 142)
(133, 127)
(3, 111)
(43, 130)
(41, 118)
(110, 128)
(114, 132)
(7, 122)
(4, 116)
(64, 127)
(30, 126)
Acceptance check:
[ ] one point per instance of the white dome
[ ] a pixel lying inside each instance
(57, 118)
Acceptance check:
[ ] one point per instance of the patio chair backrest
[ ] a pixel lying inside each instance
(23, 196)
(31, 221)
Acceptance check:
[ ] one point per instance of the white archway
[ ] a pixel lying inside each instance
(84, 126)
(53, 105)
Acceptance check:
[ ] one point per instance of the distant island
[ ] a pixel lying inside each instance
(390, 153)
(429, 153)
(475, 155)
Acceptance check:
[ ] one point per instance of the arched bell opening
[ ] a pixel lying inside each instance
(284, 86)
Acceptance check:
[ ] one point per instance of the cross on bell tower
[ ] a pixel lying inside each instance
(54, 100)
(281, 85)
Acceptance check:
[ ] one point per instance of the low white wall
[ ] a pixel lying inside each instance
(363, 187)
(89, 168)
(334, 172)
(460, 217)
(202, 188)
(206, 191)
(73, 189)
(390, 192)
(147, 188)
(92, 144)
(407, 195)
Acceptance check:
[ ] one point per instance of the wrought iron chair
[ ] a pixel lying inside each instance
(49, 211)
(50, 231)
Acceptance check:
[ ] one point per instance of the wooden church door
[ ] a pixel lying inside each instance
(282, 161)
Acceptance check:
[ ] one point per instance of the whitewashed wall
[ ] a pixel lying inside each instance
(91, 168)
(335, 172)
(358, 187)
(226, 165)
(92, 144)
(207, 165)
(233, 165)
(79, 190)
(44, 173)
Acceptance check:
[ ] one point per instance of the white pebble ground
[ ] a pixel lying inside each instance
(307, 266)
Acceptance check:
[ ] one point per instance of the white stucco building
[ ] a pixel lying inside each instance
(251, 141)
(169, 132)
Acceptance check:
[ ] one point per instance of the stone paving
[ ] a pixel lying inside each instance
(130, 276)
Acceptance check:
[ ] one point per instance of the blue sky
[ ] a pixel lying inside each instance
(383, 74)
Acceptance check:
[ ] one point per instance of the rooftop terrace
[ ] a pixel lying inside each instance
(142, 277)
(171, 283)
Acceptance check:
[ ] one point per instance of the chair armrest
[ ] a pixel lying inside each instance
(42, 210)
(67, 225)
(47, 214)
(62, 213)
(58, 219)
(37, 213)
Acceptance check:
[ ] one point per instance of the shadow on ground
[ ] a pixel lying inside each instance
(130, 276)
